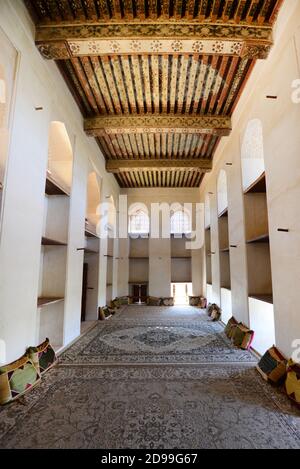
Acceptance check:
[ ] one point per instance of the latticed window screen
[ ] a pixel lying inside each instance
(139, 222)
(180, 222)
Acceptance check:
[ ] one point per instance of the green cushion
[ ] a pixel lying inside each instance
(17, 378)
(43, 356)
(153, 301)
(272, 365)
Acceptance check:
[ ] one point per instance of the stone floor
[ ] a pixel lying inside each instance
(153, 377)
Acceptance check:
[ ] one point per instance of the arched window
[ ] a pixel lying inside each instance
(139, 222)
(252, 153)
(180, 222)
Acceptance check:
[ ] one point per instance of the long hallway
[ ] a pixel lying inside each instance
(153, 377)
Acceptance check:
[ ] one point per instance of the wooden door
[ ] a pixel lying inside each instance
(144, 291)
(84, 291)
(136, 293)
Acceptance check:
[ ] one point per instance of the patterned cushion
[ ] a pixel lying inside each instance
(111, 310)
(168, 301)
(115, 304)
(292, 382)
(123, 300)
(216, 313)
(153, 301)
(242, 336)
(17, 378)
(43, 356)
(194, 300)
(202, 302)
(101, 315)
(232, 323)
(211, 307)
(272, 365)
(104, 313)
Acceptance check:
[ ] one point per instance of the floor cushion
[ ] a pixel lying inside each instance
(153, 301)
(194, 300)
(104, 313)
(242, 336)
(292, 382)
(115, 304)
(216, 313)
(123, 300)
(43, 356)
(17, 378)
(232, 323)
(211, 307)
(272, 365)
(167, 301)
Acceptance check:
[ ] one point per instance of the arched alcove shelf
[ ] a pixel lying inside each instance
(8, 75)
(110, 253)
(261, 313)
(53, 259)
(224, 251)
(207, 240)
(90, 279)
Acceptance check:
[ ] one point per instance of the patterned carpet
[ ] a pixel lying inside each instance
(183, 405)
(156, 335)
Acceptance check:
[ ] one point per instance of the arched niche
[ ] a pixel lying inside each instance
(222, 194)
(93, 200)
(252, 153)
(60, 155)
(8, 68)
(207, 211)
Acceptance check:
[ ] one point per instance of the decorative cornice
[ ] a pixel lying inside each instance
(160, 123)
(64, 42)
(123, 165)
(158, 30)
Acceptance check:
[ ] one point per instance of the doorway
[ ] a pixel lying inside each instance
(180, 292)
(139, 293)
(84, 291)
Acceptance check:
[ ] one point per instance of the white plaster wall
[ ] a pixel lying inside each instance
(138, 270)
(181, 270)
(226, 304)
(160, 249)
(159, 267)
(259, 310)
(280, 122)
(57, 217)
(39, 85)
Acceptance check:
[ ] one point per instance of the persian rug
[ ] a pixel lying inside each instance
(135, 336)
(163, 407)
(163, 312)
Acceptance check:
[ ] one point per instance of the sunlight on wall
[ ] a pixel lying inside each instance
(222, 196)
(252, 153)
(60, 155)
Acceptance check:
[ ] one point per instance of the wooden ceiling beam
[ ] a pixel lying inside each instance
(130, 165)
(62, 41)
(157, 124)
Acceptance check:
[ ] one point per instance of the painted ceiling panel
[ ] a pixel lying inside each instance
(155, 80)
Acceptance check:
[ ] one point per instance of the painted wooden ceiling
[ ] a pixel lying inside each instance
(156, 80)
